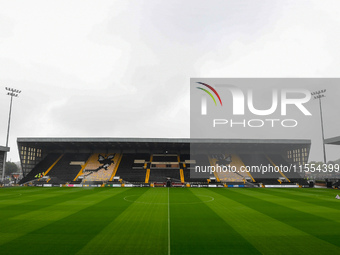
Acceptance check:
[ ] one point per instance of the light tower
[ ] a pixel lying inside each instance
(318, 95)
(12, 93)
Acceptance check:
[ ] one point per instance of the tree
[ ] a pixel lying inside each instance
(11, 168)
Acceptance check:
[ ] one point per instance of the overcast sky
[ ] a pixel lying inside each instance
(123, 68)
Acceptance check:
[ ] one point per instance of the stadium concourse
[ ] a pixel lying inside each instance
(147, 162)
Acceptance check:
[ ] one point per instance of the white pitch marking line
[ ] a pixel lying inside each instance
(169, 251)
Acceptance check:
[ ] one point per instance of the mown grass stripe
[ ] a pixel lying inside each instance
(24, 190)
(268, 235)
(326, 194)
(295, 203)
(310, 198)
(141, 229)
(324, 191)
(196, 229)
(19, 195)
(25, 223)
(40, 201)
(71, 233)
(236, 221)
(14, 228)
(317, 226)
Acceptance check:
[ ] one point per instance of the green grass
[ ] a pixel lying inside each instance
(168, 221)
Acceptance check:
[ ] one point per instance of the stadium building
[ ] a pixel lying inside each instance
(333, 182)
(333, 140)
(3, 150)
(158, 162)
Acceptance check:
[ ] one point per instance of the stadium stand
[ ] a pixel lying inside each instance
(163, 167)
(130, 172)
(185, 166)
(235, 163)
(68, 166)
(184, 157)
(100, 167)
(336, 184)
(164, 158)
(144, 160)
(260, 160)
(279, 160)
(161, 175)
(41, 167)
(181, 174)
(201, 160)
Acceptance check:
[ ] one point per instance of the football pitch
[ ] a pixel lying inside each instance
(35, 220)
